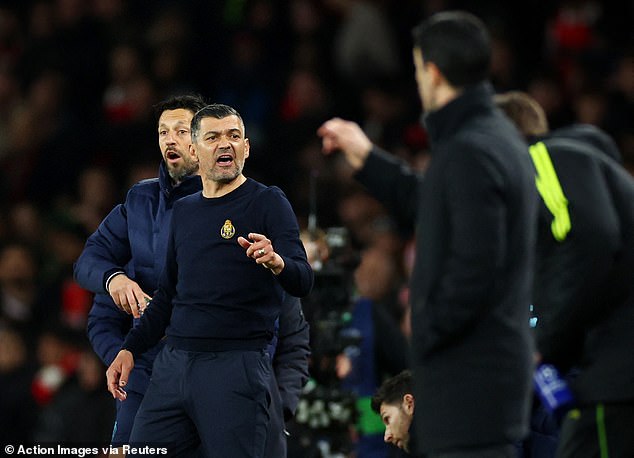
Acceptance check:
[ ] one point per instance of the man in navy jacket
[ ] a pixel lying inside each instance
(123, 259)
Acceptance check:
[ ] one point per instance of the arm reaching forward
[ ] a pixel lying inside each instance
(347, 136)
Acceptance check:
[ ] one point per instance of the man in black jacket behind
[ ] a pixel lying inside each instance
(584, 281)
(474, 212)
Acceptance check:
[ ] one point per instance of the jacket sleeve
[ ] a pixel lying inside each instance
(107, 327)
(394, 184)
(290, 363)
(106, 251)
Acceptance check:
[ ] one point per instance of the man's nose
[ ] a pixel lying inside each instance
(224, 142)
(387, 437)
(170, 138)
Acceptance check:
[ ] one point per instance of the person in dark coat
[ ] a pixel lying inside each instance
(474, 212)
(584, 282)
(122, 262)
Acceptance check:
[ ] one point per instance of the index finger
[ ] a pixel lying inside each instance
(256, 237)
(328, 125)
(134, 308)
(132, 296)
(141, 299)
(328, 144)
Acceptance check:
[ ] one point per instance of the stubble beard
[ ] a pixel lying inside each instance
(225, 176)
(178, 174)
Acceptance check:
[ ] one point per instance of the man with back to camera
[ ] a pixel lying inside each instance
(474, 212)
(125, 257)
(584, 281)
(210, 382)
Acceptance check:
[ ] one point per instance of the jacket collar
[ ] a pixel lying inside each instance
(188, 186)
(447, 120)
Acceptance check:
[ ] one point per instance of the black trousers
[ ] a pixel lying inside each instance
(598, 431)
(206, 404)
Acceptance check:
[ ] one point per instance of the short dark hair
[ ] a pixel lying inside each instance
(524, 111)
(215, 110)
(191, 102)
(392, 390)
(458, 43)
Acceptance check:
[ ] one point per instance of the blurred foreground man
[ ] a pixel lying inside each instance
(474, 214)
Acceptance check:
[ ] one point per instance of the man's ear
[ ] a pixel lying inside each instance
(192, 151)
(247, 148)
(408, 403)
(436, 75)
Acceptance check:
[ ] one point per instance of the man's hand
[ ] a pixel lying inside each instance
(128, 295)
(261, 249)
(118, 373)
(347, 136)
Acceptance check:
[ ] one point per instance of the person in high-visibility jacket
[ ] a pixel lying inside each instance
(584, 278)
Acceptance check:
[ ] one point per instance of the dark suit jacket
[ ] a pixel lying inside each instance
(474, 212)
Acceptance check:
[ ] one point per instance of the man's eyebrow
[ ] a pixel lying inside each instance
(178, 123)
(233, 129)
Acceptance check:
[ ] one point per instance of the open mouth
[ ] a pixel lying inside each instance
(172, 156)
(225, 159)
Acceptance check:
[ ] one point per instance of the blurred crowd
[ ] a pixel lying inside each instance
(78, 79)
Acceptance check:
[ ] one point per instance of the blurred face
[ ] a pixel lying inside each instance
(174, 137)
(374, 275)
(17, 270)
(221, 148)
(12, 351)
(397, 419)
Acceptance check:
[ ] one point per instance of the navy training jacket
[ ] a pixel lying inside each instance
(121, 243)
